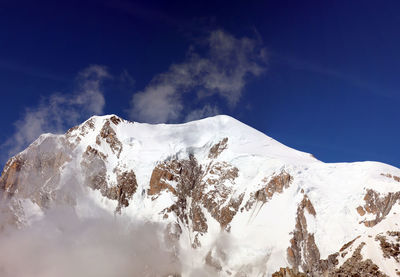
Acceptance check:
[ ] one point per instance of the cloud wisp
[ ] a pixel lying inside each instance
(59, 111)
(222, 71)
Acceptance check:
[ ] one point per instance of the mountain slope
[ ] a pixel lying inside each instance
(230, 198)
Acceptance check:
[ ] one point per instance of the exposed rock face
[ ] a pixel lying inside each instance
(74, 135)
(9, 177)
(219, 201)
(108, 134)
(360, 210)
(204, 186)
(186, 179)
(181, 178)
(163, 175)
(304, 252)
(218, 148)
(38, 167)
(356, 266)
(346, 245)
(270, 187)
(126, 187)
(95, 171)
(377, 205)
(390, 249)
(396, 178)
(288, 272)
(275, 185)
(116, 120)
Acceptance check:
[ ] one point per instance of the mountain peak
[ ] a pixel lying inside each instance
(210, 179)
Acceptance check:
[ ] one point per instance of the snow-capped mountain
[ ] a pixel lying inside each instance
(229, 197)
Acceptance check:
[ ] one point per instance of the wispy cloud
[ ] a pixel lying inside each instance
(59, 111)
(222, 70)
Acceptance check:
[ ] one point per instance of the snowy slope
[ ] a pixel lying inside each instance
(233, 199)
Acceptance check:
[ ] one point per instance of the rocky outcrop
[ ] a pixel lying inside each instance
(116, 120)
(108, 134)
(40, 167)
(288, 272)
(360, 210)
(390, 248)
(303, 252)
(197, 189)
(9, 177)
(348, 244)
(126, 187)
(163, 176)
(181, 178)
(276, 184)
(219, 200)
(217, 149)
(377, 205)
(95, 176)
(94, 169)
(396, 178)
(357, 266)
(74, 135)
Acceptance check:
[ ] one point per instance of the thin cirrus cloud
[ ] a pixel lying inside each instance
(223, 71)
(57, 112)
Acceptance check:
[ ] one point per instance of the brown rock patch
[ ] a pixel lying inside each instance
(161, 176)
(108, 134)
(217, 149)
(288, 272)
(360, 210)
(356, 266)
(346, 245)
(303, 252)
(275, 185)
(378, 205)
(95, 171)
(390, 249)
(396, 178)
(9, 177)
(195, 192)
(115, 119)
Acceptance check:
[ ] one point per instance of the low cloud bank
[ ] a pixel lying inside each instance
(63, 245)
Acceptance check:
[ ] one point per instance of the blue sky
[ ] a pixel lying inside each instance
(318, 76)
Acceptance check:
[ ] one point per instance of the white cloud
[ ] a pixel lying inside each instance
(222, 71)
(62, 244)
(58, 112)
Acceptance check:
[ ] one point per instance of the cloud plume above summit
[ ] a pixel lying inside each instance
(222, 70)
